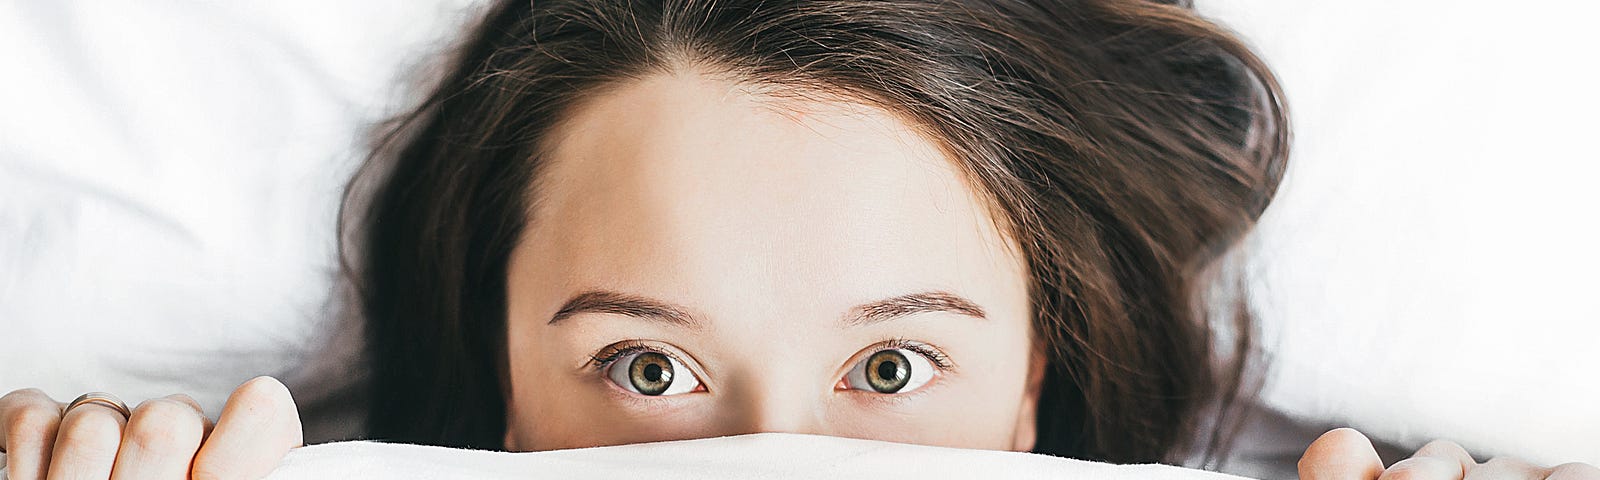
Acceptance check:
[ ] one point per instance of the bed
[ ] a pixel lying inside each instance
(170, 171)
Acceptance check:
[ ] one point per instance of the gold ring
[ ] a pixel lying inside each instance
(100, 398)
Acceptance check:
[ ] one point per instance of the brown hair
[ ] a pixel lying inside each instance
(1126, 143)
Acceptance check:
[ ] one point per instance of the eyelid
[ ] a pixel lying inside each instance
(934, 355)
(610, 353)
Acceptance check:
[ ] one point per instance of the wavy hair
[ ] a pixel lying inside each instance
(1125, 145)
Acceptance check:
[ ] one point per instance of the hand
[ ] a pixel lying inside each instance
(1346, 454)
(164, 438)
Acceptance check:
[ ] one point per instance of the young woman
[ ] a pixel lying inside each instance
(974, 224)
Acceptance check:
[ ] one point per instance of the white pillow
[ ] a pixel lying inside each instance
(1431, 266)
(169, 175)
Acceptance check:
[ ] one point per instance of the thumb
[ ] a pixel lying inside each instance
(1342, 454)
(258, 427)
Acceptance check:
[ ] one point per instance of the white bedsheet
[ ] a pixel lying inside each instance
(758, 456)
(768, 455)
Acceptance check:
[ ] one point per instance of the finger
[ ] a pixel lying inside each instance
(1574, 471)
(1342, 454)
(160, 440)
(1449, 451)
(86, 442)
(28, 423)
(205, 421)
(1438, 459)
(1503, 468)
(259, 425)
(1424, 468)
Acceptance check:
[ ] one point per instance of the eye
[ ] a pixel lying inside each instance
(651, 373)
(896, 370)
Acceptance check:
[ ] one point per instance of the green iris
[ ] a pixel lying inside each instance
(651, 373)
(888, 371)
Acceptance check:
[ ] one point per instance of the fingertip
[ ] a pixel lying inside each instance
(1341, 441)
(264, 395)
(268, 394)
(257, 427)
(1342, 453)
(264, 385)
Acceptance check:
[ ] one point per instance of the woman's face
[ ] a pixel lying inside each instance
(703, 261)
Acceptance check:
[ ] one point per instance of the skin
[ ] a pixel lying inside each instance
(742, 234)
(1345, 454)
(769, 221)
(164, 438)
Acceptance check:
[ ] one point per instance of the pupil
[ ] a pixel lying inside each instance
(652, 372)
(888, 371)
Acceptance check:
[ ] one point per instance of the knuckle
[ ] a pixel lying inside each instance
(34, 418)
(90, 430)
(1440, 446)
(22, 396)
(186, 400)
(1509, 467)
(165, 411)
(27, 401)
(1575, 471)
(162, 425)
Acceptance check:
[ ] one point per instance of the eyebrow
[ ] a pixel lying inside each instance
(602, 301)
(911, 304)
(879, 311)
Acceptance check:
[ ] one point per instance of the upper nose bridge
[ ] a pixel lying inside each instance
(783, 400)
(771, 380)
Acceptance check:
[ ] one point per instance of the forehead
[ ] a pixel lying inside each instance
(694, 188)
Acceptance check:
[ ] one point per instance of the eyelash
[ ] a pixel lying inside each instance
(612, 352)
(938, 358)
